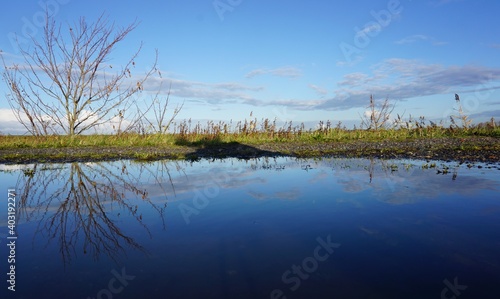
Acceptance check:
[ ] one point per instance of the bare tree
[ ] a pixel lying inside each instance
(66, 82)
(162, 122)
(77, 204)
(376, 117)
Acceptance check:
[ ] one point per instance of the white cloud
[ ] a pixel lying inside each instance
(400, 79)
(210, 92)
(418, 38)
(351, 62)
(286, 72)
(412, 39)
(9, 123)
(487, 114)
(318, 89)
(7, 115)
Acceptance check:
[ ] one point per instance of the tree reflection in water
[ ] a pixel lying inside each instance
(72, 203)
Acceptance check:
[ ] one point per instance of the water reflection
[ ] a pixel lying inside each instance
(251, 221)
(390, 181)
(74, 203)
(80, 205)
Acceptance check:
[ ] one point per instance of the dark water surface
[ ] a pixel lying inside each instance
(265, 228)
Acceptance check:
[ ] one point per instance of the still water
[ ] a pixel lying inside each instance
(262, 228)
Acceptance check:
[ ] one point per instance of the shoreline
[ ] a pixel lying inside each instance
(468, 149)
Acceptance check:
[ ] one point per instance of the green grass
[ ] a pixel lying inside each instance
(253, 132)
(60, 141)
(202, 139)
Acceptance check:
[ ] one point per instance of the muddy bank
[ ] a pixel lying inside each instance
(470, 149)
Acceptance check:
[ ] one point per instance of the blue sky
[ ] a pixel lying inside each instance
(302, 61)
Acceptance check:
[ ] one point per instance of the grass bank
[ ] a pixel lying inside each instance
(479, 143)
(254, 137)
